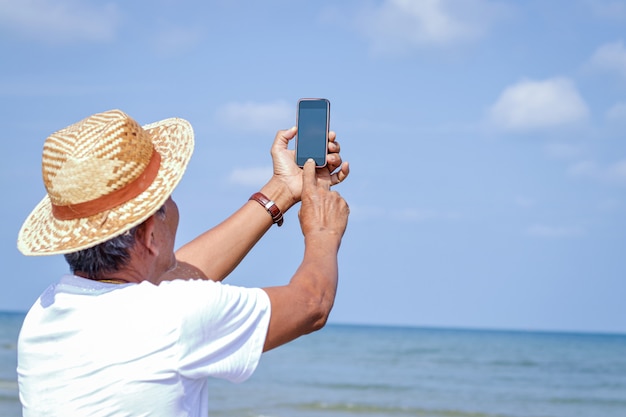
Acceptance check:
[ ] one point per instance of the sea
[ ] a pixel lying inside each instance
(347, 370)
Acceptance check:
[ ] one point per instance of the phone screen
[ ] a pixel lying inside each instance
(312, 140)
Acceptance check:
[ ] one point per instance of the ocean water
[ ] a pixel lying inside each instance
(390, 371)
(10, 324)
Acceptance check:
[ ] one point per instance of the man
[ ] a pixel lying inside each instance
(137, 329)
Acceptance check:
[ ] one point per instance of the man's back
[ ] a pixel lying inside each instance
(95, 349)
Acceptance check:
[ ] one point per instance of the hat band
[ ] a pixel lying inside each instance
(113, 199)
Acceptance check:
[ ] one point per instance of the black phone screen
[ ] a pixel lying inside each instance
(312, 131)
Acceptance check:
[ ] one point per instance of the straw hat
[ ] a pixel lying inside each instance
(104, 175)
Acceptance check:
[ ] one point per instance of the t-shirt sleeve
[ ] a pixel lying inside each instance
(222, 329)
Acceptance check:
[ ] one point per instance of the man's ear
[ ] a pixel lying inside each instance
(145, 236)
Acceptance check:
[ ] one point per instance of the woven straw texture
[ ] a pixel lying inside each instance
(94, 158)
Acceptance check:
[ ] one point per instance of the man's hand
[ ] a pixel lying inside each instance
(303, 305)
(323, 213)
(286, 170)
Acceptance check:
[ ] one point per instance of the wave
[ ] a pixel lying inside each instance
(8, 346)
(364, 387)
(7, 384)
(353, 408)
(604, 402)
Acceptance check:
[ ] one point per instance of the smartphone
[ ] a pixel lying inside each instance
(313, 120)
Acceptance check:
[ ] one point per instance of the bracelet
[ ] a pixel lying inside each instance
(270, 206)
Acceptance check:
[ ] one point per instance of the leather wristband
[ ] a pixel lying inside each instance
(270, 206)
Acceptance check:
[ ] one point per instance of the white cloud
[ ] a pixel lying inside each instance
(60, 21)
(421, 215)
(255, 176)
(358, 212)
(617, 113)
(552, 232)
(257, 117)
(530, 105)
(523, 201)
(610, 57)
(409, 214)
(400, 25)
(614, 173)
(608, 9)
(617, 172)
(610, 205)
(563, 150)
(172, 41)
(584, 169)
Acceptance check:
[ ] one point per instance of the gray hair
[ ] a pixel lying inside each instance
(106, 257)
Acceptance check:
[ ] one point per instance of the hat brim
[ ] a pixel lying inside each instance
(43, 234)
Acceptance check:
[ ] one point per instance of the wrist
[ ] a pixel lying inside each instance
(321, 247)
(277, 191)
(270, 206)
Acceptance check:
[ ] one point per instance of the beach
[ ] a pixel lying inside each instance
(373, 371)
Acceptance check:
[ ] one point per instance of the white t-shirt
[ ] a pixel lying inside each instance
(94, 349)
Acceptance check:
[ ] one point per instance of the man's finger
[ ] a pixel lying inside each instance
(289, 133)
(309, 179)
(334, 147)
(341, 175)
(284, 136)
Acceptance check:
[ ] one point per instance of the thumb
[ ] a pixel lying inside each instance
(287, 135)
(283, 137)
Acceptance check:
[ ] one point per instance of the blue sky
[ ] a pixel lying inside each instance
(487, 140)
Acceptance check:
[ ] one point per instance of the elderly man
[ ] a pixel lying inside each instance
(136, 328)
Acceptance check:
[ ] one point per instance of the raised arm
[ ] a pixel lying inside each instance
(216, 252)
(303, 305)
